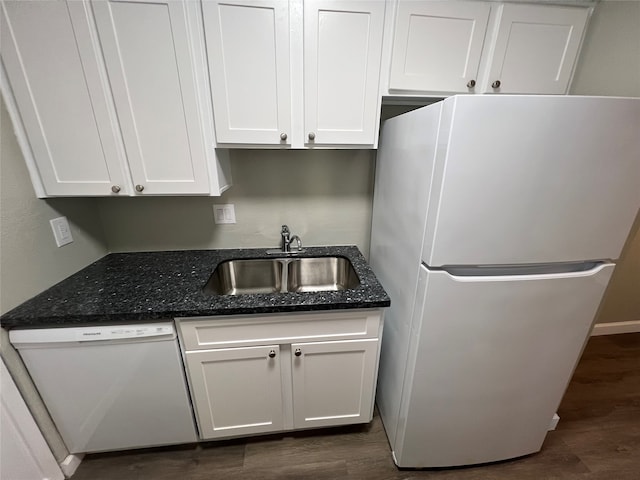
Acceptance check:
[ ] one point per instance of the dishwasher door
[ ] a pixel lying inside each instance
(110, 387)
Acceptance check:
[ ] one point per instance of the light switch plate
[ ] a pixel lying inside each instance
(61, 231)
(224, 213)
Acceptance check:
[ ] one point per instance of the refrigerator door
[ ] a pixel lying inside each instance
(533, 179)
(493, 358)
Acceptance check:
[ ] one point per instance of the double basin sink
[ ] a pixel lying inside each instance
(279, 275)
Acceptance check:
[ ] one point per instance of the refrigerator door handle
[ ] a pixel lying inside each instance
(524, 272)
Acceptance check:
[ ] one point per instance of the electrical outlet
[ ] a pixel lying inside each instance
(61, 231)
(224, 213)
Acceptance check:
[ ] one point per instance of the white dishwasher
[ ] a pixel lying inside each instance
(110, 387)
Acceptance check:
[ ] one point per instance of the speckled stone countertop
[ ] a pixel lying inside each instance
(145, 286)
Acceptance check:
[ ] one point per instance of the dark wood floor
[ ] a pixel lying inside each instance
(598, 438)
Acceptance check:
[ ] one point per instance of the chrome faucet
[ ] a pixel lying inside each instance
(285, 243)
(287, 238)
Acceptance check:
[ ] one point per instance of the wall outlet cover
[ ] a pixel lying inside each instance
(224, 213)
(61, 231)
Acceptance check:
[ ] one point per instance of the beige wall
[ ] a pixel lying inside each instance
(622, 300)
(30, 261)
(324, 196)
(610, 58)
(610, 65)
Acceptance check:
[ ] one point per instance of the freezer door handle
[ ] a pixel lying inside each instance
(530, 272)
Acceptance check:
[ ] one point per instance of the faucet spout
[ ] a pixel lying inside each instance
(298, 242)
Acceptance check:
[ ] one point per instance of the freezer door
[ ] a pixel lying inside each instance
(493, 359)
(524, 179)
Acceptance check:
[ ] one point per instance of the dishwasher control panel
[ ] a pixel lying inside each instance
(93, 333)
(128, 331)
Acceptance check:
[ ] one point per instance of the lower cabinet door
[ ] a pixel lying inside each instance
(333, 382)
(236, 391)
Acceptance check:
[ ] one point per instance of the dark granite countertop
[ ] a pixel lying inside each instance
(145, 286)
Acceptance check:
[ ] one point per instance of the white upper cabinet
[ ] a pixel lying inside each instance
(58, 100)
(248, 52)
(342, 52)
(111, 97)
(152, 70)
(445, 47)
(535, 48)
(295, 74)
(437, 45)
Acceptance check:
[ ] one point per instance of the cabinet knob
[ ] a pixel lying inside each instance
(297, 352)
(139, 188)
(471, 83)
(283, 136)
(312, 136)
(115, 189)
(272, 354)
(496, 84)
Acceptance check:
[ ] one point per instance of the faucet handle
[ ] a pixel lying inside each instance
(285, 229)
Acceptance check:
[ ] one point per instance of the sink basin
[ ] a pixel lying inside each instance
(314, 274)
(321, 274)
(235, 277)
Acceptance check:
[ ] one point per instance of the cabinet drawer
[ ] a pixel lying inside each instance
(204, 333)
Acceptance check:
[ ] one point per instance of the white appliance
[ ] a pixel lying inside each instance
(495, 223)
(110, 387)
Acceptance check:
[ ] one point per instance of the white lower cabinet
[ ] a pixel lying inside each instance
(333, 382)
(236, 391)
(310, 370)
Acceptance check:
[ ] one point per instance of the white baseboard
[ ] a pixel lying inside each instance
(70, 464)
(554, 422)
(632, 326)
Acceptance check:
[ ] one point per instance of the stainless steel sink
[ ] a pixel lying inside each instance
(235, 277)
(314, 274)
(321, 274)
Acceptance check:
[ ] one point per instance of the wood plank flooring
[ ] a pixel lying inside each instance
(598, 437)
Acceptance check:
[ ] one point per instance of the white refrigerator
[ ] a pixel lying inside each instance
(496, 224)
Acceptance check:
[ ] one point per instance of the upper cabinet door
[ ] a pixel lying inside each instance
(437, 45)
(342, 52)
(535, 48)
(151, 66)
(52, 64)
(248, 51)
